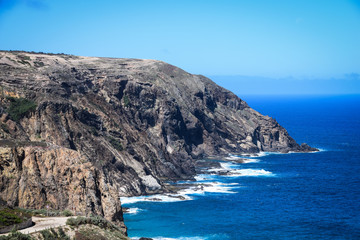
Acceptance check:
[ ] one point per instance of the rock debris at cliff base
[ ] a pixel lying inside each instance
(84, 131)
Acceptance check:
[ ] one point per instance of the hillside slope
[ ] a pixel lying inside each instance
(83, 131)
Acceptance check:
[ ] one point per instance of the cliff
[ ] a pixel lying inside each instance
(83, 131)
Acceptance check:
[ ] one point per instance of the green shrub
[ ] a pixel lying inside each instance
(44, 212)
(47, 235)
(62, 234)
(116, 144)
(19, 107)
(76, 221)
(126, 100)
(94, 220)
(89, 234)
(67, 213)
(24, 62)
(52, 234)
(15, 235)
(39, 212)
(4, 127)
(39, 64)
(24, 57)
(8, 217)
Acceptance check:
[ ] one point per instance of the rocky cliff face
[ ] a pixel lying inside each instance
(100, 128)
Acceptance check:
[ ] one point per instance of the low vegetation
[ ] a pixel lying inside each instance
(20, 107)
(14, 235)
(95, 228)
(4, 127)
(47, 234)
(116, 144)
(91, 232)
(94, 220)
(80, 228)
(49, 213)
(10, 216)
(39, 64)
(126, 100)
(54, 234)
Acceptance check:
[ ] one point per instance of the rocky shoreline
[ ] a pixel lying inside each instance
(179, 191)
(84, 131)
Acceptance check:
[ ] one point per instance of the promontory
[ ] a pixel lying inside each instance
(80, 132)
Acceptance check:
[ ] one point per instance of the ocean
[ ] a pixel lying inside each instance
(272, 196)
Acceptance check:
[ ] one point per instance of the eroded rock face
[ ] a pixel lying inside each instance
(122, 125)
(37, 176)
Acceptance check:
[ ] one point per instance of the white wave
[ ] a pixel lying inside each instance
(180, 238)
(259, 154)
(263, 154)
(207, 237)
(292, 152)
(229, 169)
(246, 158)
(204, 177)
(200, 177)
(155, 198)
(227, 165)
(204, 184)
(218, 188)
(250, 172)
(224, 166)
(253, 160)
(184, 194)
(210, 187)
(133, 211)
(233, 157)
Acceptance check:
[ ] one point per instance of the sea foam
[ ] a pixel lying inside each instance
(155, 198)
(207, 237)
(245, 159)
(199, 188)
(250, 172)
(180, 238)
(210, 187)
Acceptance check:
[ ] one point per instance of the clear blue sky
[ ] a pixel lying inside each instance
(304, 39)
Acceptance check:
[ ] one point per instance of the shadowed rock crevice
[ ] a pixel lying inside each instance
(125, 126)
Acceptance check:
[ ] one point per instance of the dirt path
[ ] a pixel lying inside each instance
(42, 223)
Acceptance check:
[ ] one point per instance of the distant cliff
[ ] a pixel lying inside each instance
(83, 131)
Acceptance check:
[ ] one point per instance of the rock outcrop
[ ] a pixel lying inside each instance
(83, 131)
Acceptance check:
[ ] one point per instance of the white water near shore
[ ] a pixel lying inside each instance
(208, 237)
(294, 190)
(133, 210)
(209, 182)
(186, 194)
(229, 169)
(181, 238)
(263, 154)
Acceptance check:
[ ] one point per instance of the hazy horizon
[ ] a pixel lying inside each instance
(348, 84)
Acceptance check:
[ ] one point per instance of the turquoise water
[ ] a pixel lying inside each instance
(277, 196)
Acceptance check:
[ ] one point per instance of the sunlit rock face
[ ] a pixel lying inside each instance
(102, 128)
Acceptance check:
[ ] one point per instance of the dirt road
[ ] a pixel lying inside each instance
(42, 223)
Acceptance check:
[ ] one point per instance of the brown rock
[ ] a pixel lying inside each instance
(105, 128)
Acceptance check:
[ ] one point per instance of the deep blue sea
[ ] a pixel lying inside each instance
(275, 196)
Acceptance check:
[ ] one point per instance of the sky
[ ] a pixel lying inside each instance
(240, 44)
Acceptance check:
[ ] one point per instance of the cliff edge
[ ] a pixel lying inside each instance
(83, 131)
